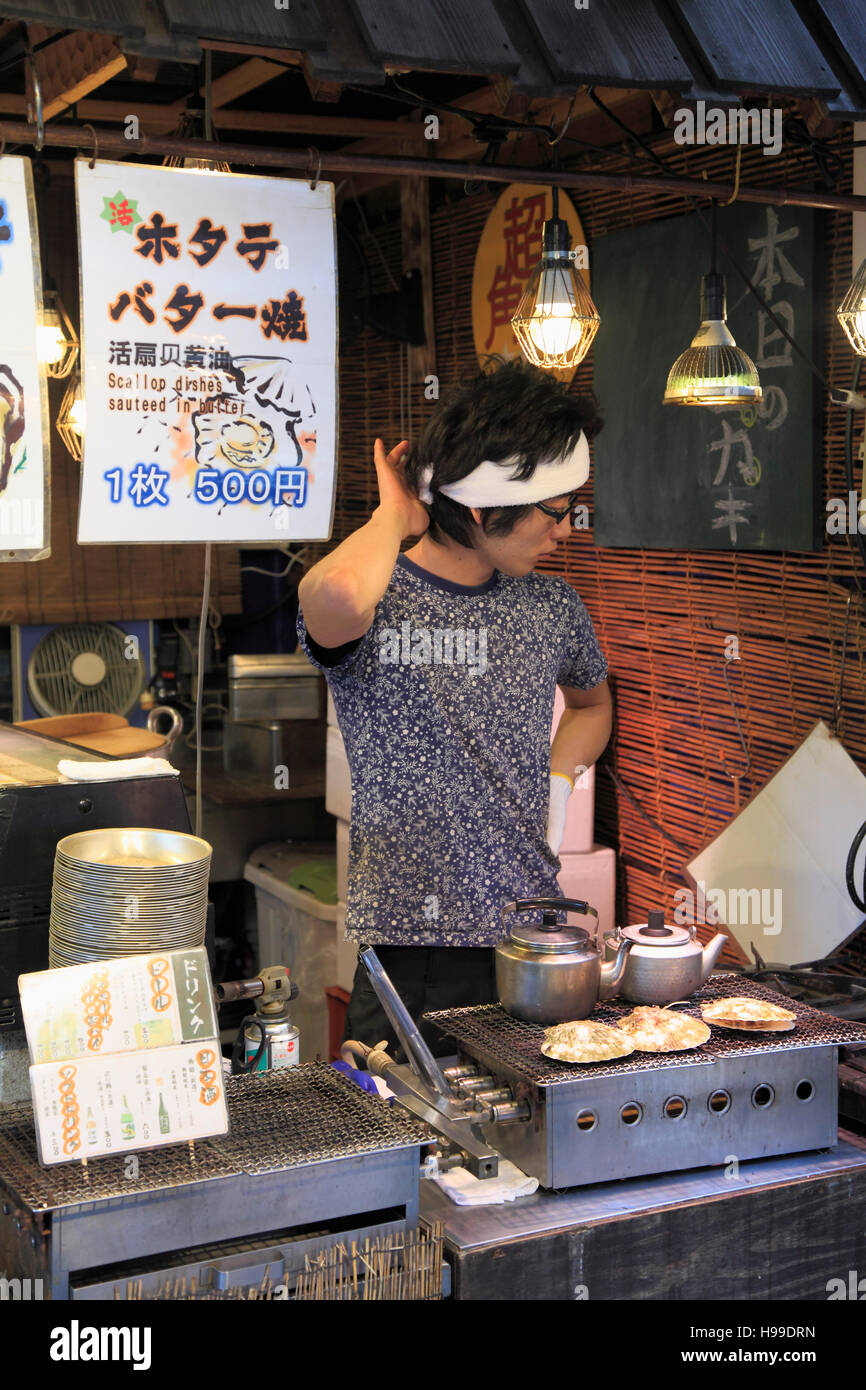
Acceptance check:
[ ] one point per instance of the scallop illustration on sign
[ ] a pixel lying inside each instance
(277, 412)
(13, 452)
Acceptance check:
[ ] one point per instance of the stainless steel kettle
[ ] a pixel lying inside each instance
(666, 962)
(550, 973)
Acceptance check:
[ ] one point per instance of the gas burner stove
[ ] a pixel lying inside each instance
(746, 1095)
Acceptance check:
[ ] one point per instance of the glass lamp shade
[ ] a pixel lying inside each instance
(56, 341)
(71, 417)
(851, 313)
(556, 319)
(712, 370)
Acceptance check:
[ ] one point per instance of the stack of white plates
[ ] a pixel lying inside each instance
(127, 892)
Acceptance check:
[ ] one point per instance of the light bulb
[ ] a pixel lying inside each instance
(50, 339)
(77, 415)
(554, 327)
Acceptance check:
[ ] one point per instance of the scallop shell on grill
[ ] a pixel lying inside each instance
(659, 1030)
(741, 1011)
(585, 1041)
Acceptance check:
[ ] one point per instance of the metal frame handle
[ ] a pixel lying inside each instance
(421, 1059)
(549, 905)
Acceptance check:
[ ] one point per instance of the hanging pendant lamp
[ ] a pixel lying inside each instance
(851, 313)
(556, 319)
(713, 370)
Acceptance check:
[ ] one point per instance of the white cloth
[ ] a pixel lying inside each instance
(489, 485)
(561, 788)
(111, 771)
(468, 1191)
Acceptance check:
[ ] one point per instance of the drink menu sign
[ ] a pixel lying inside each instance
(125, 1055)
(209, 348)
(24, 450)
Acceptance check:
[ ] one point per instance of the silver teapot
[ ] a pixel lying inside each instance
(550, 973)
(665, 962)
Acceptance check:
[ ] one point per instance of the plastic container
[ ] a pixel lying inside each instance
(580, 811)
(592, 877)
(297, 930)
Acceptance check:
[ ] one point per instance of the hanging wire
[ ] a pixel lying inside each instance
(621, 786)
(736, 192)
(295, 557)
(369, 234)
(836, 723)
(746, 771)
(556, 138)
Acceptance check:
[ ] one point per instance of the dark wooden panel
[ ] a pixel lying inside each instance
(299, 26)
(782, 1242)
(123, 17)
(839, 27)
(344, 57)
(846, 21)
(761, 45)
(701, 479)
(622, 44)
(442, 35)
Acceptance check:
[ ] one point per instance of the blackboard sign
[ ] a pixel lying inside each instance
(696, 477)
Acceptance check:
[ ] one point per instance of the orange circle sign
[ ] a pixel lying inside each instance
(509, 249)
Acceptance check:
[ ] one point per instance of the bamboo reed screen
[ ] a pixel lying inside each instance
(661, 616)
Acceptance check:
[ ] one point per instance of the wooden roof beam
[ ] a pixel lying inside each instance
(242, 79)
(72, 66)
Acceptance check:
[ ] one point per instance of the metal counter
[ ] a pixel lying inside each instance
(770, 1228)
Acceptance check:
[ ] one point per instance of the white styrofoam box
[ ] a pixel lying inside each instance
(776, 873)
(592, 878)
(342, 859)
(332, 713)
(580, 813)
(338, 779)
(347, 953)
(297, 930)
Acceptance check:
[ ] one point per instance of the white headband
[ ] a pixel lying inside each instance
(488, 485)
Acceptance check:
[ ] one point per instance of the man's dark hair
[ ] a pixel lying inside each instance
(508, 410)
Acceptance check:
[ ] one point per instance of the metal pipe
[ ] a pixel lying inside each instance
(510, 1113)
(469, 1084)
(500, 1095)
(115, 142)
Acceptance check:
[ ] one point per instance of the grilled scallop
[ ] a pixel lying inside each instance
(659, 1030)
(585, 1041)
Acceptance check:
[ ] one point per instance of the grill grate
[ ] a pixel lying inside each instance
(278, 1119)
(488, 1030)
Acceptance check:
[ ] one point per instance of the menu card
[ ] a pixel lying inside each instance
(125, 1055)
(118, 1005)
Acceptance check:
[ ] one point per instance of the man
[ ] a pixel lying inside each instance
(443, 664)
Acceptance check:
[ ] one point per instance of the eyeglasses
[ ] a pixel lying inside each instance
(559, 514)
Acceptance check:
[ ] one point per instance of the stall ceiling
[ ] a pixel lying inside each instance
(699, 48)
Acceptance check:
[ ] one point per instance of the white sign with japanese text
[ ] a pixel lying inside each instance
(138, 1100)
(24, 446)
(209, 317)
(118, 1005)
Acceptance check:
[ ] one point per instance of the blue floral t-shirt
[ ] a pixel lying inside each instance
(445, 706)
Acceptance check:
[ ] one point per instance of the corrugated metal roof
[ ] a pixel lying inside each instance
(698, 48)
